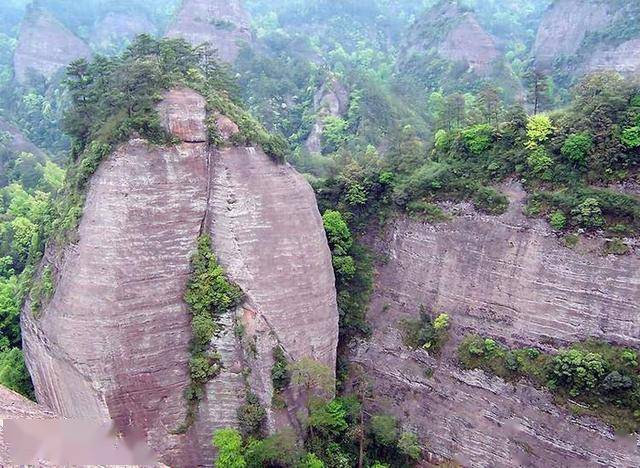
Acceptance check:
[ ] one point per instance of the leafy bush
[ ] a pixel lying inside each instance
(578, 371)
(478, 138)
(558, 220)
(576, 147)
(588, 214)
(425, 332)
(228, 442)
(252, 416)
(425, 210)
(280, 376)
(631, 137)
(490, 201)
(539, 130)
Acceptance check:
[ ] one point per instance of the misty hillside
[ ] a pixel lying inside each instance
(308, 233)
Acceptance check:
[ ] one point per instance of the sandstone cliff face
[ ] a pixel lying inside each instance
(45, 46)
(19, 142)
(224, 24)
(566, 25)
(509, 278)
(119, 28)
(332, 99)
(113, 342)
(456, 35)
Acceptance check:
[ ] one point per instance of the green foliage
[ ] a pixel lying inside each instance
(478, 138)
(490, 201)
(540, 162)
(604, 378)
(13, 372)
(409, 446)
(576, 147)
(588, 214)
(252, 416)
(209, 294)
(338, 232)
(228, 442)
(631, 137)
(539, 130)
(384, 430)
(425, 332)
(578, 371)
(280, 449)
(280, 375)
(558, 220)
(430, 212)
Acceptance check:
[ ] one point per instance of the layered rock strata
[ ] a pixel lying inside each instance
(223, 24)
(512, 279)
(45, 46)
(113, 343)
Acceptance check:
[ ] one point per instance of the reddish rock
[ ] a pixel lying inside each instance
(223, 23)
(512, 279)
(45, 46)
(113, 343)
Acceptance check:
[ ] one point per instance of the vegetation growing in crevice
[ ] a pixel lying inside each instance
(591, 377)
(209, 295)
(425, 332)
(280, 376)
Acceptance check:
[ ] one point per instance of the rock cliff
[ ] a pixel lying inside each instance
(455, 34)
(510, 278)
(565, 30)
(332, 99)
(118, 29)
(224, 24)
(114, 340)
(45, 46)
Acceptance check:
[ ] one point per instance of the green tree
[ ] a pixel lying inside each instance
(228, 442)
(577, 371)
(588, 214)
(576, 147)
(409, 446)
(13, 372)
(478, 138)
(384, 429)
(539, 129)
(313, 378)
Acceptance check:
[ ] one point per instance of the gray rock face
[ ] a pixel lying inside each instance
(332, 99)
(119, 28)
(468, 42)
(455, 34)
(19, 142)
(114, 340)
(45, 46)
(566, 25)
(510, 278)
(224, 24)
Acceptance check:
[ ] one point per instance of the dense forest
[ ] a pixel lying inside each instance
(361, 99)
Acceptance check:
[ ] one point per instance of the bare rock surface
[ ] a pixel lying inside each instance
(19, 142)
(45, 46)
(567, 24)
(113, 343)
(332, 99)
(119, 28)
(223, 23)
(455, 34)
(509, 278)
(468, 42)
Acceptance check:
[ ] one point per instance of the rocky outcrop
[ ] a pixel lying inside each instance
(117, 29)
(455, 34)
(509, 278)
(567, 25)
(18, 142)
(45, 46)
(224, 24)
(332, 99)
(113, 343)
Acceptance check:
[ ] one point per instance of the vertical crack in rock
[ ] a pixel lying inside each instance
(114, 340)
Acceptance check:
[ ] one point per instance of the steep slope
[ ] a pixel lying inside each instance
(224, 24)
(331, 100)
(115, 29)
(19, 142)
(448, 32)
(45, 46)
(511, 279)
(114, 340)
(589, 36)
